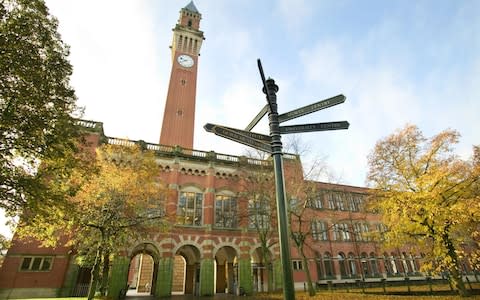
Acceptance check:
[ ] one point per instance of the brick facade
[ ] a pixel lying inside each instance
(197, 255)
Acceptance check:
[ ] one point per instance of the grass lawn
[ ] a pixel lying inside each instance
(341, 294)
(319, 296)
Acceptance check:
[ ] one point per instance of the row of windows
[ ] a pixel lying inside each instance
(36, 263)
(187, 44)
(189, 211)
(366, 265)
(342, 231)
(337, 201)
(190, 204)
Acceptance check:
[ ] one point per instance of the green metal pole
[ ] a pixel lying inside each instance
(282, 216)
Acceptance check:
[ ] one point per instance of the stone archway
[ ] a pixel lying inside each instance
(226, 270)
(143, 269)
(261, 271)
(186, 270)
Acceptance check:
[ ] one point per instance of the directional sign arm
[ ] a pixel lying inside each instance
(257, 136)
(257, 118)
(311, 108)
(237, 135)
(314, 127)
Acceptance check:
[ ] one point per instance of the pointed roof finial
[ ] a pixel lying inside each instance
(191, 7)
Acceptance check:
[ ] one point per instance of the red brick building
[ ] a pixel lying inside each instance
(213, 247)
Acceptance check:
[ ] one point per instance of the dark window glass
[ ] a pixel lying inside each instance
(26, 263)
(47, 263)
(36, 263)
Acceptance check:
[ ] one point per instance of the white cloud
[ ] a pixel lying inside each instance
(294, 12)
(116, 64)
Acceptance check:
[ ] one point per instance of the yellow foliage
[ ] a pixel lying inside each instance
(427, 195)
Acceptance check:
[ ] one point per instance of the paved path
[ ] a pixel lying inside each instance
(184, 297)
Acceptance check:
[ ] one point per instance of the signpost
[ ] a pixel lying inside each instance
(311, 108)
(257, 118)
(254, 140)
(273, 144)
(314, 127)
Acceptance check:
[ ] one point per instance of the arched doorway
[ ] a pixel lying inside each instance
(142, 271)
(262, 270)
(186, 270)
(226, 270)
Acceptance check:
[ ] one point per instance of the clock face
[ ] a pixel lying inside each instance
(185, 61)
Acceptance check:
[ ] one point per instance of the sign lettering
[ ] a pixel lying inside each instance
(311, 108)
(314, 127)
(237, 135)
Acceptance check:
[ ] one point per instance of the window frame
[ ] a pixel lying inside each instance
(36, 263)
(319, 230)
(297, 265)
(230, 216)
(197, 208)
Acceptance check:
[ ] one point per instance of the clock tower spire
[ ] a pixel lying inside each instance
(179, 114)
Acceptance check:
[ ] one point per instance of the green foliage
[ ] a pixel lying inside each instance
(37, 108)
(119, 203)
(428, 198)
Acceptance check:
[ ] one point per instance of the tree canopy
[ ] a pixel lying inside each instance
(428, 198)
(119, 204)
(37, 108)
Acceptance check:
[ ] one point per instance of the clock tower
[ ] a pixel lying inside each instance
(179, 115)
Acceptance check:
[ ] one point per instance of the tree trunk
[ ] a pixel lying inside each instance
(455, 269)
(311, 289)
(268, 265)
(105, 271)
(94, 274)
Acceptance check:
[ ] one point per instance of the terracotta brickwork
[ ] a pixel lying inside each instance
(199, 255)
(179, 113)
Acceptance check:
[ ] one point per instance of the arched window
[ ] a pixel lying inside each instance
(318, 263)
(365, 264)
(342, 263)
(189, 209)
(374, 264)
(189, 22)
(352, 264)
(226, 210)
(180, 40)
(387, 264)
(393, 262)
(319, 230)
(327, 263)
(406, 266)
(259, 213)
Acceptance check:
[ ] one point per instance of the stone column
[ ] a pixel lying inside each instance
(245, 279)
(206, 277)
(278, 275)
(118, 276)
(163, 287)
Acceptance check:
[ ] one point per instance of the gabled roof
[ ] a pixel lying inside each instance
(191, 7)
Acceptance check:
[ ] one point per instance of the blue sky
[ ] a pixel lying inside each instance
(397, 62)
